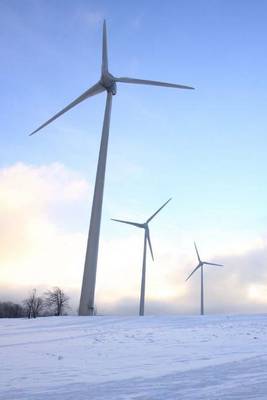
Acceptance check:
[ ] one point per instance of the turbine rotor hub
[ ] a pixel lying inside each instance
(108, 82)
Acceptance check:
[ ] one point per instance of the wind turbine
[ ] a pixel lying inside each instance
(146, 240)
(200, 265)
(107, 83)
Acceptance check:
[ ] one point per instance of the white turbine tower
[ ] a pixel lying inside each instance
(107, 83)
(200, 265)
(146, 240)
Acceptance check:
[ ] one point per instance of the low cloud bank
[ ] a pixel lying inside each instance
(43, 246)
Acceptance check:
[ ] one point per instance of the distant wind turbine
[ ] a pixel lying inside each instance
(200, 265)
(107, 83)
(146, 240)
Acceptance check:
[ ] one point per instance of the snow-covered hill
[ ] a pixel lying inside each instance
(170, 357)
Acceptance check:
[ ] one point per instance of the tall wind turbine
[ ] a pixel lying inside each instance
(146, 240)
(200, 265)
(107, 83)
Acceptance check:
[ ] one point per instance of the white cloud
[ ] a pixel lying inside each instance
(37, 251)
(34, 250)
(237, 287)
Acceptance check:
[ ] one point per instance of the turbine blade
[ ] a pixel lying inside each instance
(153, 83)
(88, 93)
(104, 49)
(128, 222)
(197, 252)
(149, 243)
(152, 216)
(217, 265)
(193, 272)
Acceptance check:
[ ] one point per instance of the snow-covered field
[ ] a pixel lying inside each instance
(170, 357)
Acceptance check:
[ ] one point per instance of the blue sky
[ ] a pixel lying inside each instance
(205, 148)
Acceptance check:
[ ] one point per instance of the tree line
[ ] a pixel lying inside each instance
(52, 302)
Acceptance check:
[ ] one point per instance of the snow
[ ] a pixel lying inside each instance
(159, 357)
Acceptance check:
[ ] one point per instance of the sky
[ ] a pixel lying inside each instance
(204, 148)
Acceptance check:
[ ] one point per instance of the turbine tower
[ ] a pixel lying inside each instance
(200, 265)
(107, 83)
(146, 240)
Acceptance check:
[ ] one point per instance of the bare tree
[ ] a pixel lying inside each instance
(57, 301)
(33, 305)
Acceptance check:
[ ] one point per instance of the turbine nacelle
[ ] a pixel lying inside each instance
(144, 226)
(201, 263)
(108, 81)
